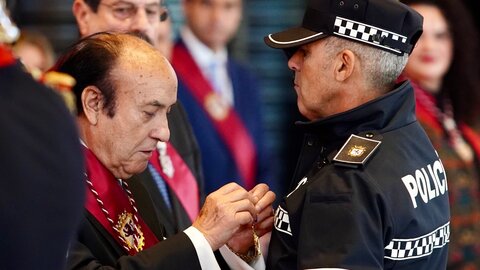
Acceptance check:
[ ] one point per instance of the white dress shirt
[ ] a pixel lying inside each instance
(206, 59)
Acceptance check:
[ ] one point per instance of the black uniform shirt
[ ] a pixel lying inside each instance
(388, 211)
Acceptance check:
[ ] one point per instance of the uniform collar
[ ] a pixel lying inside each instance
(388, 112)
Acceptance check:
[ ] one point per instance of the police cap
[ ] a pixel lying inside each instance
(386, 24)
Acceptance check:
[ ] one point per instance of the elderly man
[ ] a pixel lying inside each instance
(369, 191)
(125, 90)
(173, 179)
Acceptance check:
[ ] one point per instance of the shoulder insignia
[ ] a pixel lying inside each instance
(356, 151)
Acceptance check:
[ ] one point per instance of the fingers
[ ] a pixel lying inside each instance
(265, 226)
(265, 196)
(265, 213)
(259, 190)
(229, 188)
(233, 192)
(246, 209)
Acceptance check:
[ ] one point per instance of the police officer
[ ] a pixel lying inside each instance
(369, 191)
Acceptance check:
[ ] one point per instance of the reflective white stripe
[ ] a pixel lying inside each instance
(293, 41)
(282, 221)
(411, 248)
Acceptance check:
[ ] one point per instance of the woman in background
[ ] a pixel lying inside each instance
(445, 73)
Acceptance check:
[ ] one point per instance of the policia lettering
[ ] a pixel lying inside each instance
(429, 183)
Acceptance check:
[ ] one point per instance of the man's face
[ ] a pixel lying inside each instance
(313, 83)
(141, 16)
(214, 22)
(145, 91)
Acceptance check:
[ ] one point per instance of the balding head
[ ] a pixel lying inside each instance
(92, 58)
(124, 91)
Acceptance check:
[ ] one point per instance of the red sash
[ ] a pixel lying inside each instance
(227, 123)
(472, 137)
(114, 208)
(182, 182)
(429, 118)
(422, 112)
(6, 56)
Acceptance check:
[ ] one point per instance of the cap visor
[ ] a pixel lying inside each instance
(292, 37)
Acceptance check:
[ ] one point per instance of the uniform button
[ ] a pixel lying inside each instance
(369, 135)
(310, 142)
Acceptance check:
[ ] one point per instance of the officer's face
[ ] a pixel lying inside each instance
(140, 16)
(316, 94)
(432, 56)
(145, 89)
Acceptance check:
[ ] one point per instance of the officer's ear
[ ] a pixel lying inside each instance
(92, 103)
(345, 62)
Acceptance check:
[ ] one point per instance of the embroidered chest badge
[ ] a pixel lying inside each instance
(130, 232)
(356, 151)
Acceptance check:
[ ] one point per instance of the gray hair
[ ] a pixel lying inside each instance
(380, 68)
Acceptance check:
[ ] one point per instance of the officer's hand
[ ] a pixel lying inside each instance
(242, 241)
(224, 211)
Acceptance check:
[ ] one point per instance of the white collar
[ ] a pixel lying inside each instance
(202, 54)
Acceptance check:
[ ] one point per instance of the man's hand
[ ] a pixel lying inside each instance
(224, 211)
(242, 241)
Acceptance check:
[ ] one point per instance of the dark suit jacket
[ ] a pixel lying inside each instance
(95, 246)
(42, 186)
(96, 249)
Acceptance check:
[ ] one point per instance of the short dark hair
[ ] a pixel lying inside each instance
(90, 61)
(93, 4)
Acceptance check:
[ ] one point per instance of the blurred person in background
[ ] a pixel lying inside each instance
(221, 96)
(164, 38)
(34, 50)
(444, 70)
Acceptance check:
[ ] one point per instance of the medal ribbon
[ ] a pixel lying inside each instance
(182, 182)
(107, 201)
(230, 128)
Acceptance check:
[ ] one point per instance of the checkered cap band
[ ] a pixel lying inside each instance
(405, 249)
(366, 33)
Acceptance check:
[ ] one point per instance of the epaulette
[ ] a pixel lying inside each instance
(356, 151)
